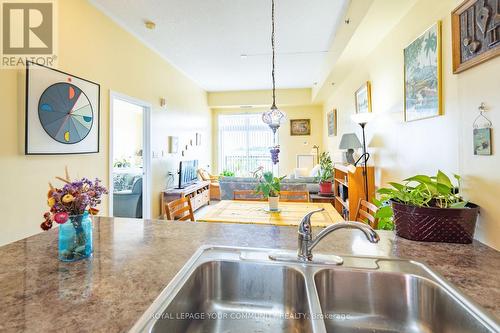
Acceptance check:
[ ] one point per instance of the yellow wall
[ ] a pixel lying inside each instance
(401, 149)
(105, 53)
(127, 131)
(296, 103)
(290, 146)
(259, 98)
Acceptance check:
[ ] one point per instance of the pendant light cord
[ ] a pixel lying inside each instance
(273, 47)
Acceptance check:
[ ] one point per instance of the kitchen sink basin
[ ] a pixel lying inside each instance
(223, 296)
(242, 290)
(361, 301)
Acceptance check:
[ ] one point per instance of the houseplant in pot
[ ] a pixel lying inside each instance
(270, 187)
(326, 173)
(431, 209)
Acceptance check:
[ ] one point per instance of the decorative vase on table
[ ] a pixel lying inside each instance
(274, 203)
(75, 238)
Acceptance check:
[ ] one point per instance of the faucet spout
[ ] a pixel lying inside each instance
(371, 235)
(306, 243)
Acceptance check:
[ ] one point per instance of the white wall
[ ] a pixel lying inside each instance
(401, 149)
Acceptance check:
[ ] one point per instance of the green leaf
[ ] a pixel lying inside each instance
(386, 191)
(384, 212)
(441, 178)
(460, 204)
(397, 186)
(443, 189)
(423, 179)
(268, 177)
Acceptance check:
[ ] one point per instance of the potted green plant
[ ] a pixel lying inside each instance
(270, 187)
(326, 173)
(227, 173)
(431, 209)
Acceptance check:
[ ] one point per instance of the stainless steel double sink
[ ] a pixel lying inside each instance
(241, 290)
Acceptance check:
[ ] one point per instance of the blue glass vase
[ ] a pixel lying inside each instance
(75, 238)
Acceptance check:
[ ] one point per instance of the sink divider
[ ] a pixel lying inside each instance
(318, 324)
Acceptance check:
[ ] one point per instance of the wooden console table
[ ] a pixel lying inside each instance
(199, 194)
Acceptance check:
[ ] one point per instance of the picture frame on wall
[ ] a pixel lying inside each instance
(423, 75)
(363, 98)
(475, 29)
(332, 122)
(61, 113)
(300, 127)
(482, 141)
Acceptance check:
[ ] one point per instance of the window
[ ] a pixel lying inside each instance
(244, 142)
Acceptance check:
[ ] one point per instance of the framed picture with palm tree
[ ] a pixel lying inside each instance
(422, 75)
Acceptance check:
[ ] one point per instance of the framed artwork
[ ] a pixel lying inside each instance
(332, 123)
(62, 113)
(363, 98)
(475, 29)
(300, 127)
(173, 144)
(482, 141)
(422, 75)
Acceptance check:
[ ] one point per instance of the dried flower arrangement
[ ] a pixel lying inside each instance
(75, 198)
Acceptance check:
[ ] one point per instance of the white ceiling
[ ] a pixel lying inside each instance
(206, 38)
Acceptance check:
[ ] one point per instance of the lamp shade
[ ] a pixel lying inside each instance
(349, 141)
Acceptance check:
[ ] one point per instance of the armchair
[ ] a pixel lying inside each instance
(128, 203)
(214, 183)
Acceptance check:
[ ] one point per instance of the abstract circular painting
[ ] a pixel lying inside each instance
(65, 113)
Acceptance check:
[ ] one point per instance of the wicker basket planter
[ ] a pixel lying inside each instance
(429, 224)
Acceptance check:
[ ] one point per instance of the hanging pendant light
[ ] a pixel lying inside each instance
(273, 117)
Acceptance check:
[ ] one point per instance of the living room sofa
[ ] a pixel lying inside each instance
(229, 184)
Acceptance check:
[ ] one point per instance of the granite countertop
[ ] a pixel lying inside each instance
(135, 259)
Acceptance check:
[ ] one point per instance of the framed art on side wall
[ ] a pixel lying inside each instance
(62, 113)
(332, 123)
(475, 28)
(363, 98)
(422, 76)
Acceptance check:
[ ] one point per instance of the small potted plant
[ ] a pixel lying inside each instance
(71, 207)
(326, 173)
(270, 187)
(431, 209)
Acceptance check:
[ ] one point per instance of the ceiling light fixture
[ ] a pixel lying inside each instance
(273, 117)
(150, 25)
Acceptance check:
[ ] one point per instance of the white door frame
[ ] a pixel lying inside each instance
(146, 151)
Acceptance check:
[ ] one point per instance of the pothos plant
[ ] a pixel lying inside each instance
(420, 191)
(268, 185)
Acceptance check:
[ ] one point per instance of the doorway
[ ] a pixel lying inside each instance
(130, 157)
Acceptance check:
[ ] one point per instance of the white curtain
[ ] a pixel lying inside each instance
(244, 142)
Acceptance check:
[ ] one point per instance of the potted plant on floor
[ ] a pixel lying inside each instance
(270, 187)
(431, 209)
(326, 173)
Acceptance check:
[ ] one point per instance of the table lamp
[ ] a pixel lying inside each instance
(350, 142)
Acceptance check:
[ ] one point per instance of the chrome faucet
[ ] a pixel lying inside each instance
(307, 243)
